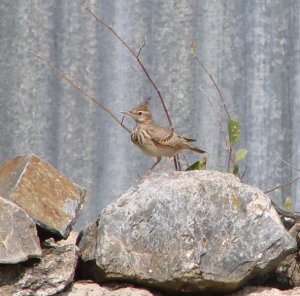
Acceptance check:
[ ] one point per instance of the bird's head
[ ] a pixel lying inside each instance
(141, 114)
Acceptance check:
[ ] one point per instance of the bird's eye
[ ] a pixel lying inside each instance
(140, 113)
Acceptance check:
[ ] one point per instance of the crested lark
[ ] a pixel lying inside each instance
(156, 140)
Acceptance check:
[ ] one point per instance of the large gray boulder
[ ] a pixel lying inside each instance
(186, 232)
(18, 235)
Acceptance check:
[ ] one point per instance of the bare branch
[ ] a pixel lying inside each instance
(99, 20)
(76, 85)
(177, 163)
(282, 185)
(217, 116)
(243, 174)
(136, 56)
(214, 83)
(141, 48)
(288, 164)
(228, 144)
(230, 160)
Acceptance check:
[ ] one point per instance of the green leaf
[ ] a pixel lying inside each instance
(198, 165)
(288, 204)
(194, 166)
(234, 130)
(240, 154)
(234, 169)
(202, 163)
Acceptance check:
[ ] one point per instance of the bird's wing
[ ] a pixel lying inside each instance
(165, 136)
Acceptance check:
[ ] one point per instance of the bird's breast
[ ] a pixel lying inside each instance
(141, 137)
(135, 136)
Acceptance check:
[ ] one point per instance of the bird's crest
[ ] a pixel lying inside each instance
(143, 106)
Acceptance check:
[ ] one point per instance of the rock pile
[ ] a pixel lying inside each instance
(199, 232)
(36, 198)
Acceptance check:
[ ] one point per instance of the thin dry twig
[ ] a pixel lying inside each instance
(76, 85)
(230, 160)
(228, 144)
(282, 185)
(141, 48)
(243, 174)
(217, 116)
(215, 84)
(290, 165)
(137, 57)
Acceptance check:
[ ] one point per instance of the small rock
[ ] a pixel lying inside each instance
(50, 198)
(71, 240)
(88, 245)
(288, 272)
(266, 291)
(46, 277)
(187, 232)
(18, 235)
(92, 289)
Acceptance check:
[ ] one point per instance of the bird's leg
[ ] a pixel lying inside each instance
(156, 163)
(169, 160)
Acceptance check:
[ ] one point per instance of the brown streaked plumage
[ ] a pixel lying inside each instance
(156, 140)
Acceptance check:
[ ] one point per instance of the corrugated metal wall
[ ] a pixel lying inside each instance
(252, 48)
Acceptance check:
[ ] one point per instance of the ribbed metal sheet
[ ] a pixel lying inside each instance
(252, 49)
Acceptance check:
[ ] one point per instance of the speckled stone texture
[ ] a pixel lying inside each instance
(266, 291)
(251, 49)
(187, 232)
(93, 289)
(50, 198)
(18, 235)
(45, 277)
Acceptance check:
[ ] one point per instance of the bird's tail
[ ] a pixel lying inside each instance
(189, 140)
(195, 149)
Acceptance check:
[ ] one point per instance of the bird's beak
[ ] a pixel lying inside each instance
(127, 113)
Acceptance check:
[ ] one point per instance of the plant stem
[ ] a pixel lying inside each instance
(76, 85)
(282, 185)
(137, 57)
(228, 144)
(288, 164)
(215, 84)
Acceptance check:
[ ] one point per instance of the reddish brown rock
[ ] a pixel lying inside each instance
(50, 198)
(18, 236)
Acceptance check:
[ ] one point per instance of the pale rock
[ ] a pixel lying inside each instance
(266, 291)
(288, 272)
(92, 289)
(18, 235)
(186, 232)
(52, 274)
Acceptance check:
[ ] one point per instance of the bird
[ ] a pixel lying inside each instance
(156, 140)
